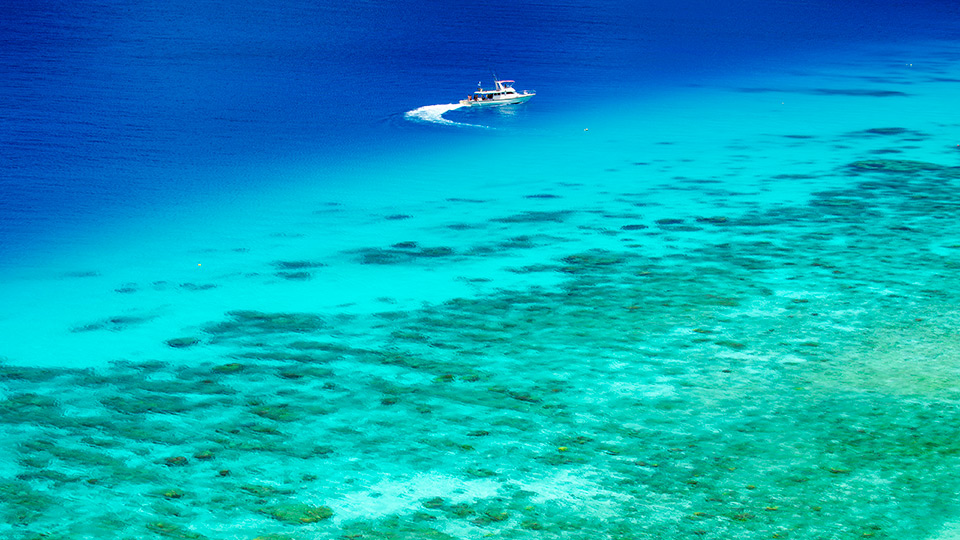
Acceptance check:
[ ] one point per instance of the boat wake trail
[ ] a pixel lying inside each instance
(433, 114)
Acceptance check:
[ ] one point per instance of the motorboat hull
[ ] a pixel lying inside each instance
(519, 98)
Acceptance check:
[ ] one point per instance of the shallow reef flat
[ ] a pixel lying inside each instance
(757, 371)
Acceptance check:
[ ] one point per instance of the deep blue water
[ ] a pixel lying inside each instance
(108, 108)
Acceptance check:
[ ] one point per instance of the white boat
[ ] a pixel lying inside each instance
(503, 94)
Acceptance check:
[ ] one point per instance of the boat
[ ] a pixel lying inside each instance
(502, 94)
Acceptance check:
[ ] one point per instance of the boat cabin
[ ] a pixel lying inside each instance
(502, 94)
(504, 89)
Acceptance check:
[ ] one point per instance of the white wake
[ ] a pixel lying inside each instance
(433, 114)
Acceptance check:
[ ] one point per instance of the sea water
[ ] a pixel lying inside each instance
(262, 277)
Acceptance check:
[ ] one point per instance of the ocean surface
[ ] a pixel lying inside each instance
(261, 277)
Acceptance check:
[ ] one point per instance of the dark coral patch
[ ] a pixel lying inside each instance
(295, 276)
(713, 220)
(182, 342)
(590, 261)
(474, 201)
(886, 131)
(404, 254)
(517, 242)
(463, 226)
(246, 322)
(383, 256)
(895, 166)
(198, 287)
(536, 217)
(297, 265)
(439, 251)
(299, 513)
(115, 324)
(793, 176)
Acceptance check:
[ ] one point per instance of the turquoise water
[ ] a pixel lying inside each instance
(722, 310)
